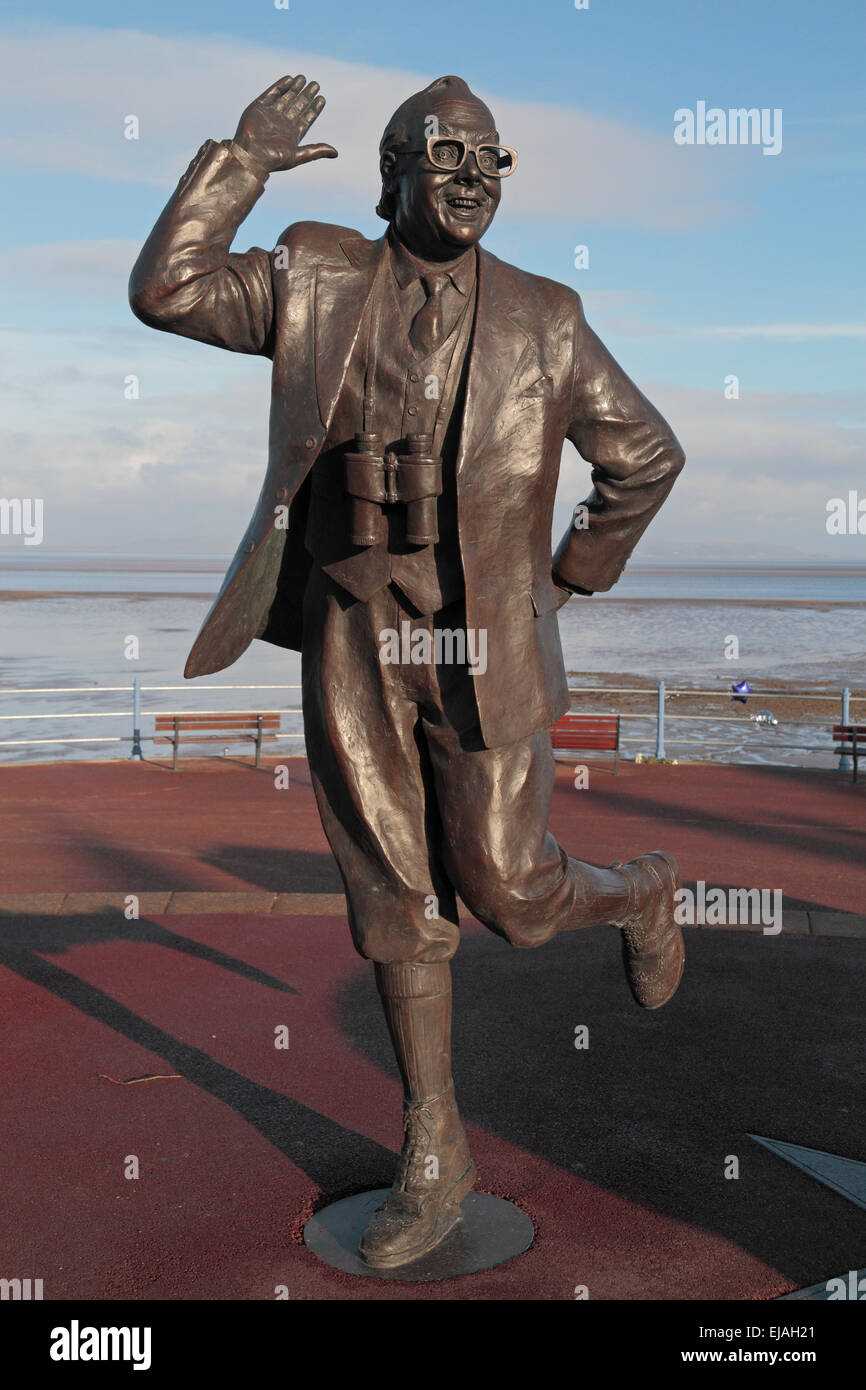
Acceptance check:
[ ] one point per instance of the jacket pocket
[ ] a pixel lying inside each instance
(546, 598)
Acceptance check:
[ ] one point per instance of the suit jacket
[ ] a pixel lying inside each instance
(537, 375)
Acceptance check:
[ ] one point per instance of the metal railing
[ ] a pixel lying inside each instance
(136, 713)
(661, 693)
(662, 717)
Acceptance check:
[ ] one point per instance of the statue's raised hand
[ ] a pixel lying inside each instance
(272, 127)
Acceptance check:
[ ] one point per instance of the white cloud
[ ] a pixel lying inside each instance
(75, 267)
(786, 332)
(614, 306)
(180, 469)
(66, 91)
(758, 471)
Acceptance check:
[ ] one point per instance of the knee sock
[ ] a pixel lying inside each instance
(417, 1003)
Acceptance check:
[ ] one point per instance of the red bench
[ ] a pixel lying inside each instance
(587, 733)
(234, 728)
(851, 739)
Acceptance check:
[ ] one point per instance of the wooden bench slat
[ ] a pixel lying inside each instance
(584, 728)
(216, 738)
(600, 731)
(603, 730)
(605, 744)
(580, 719)
(216, 724)
(569, 731)
(191, 723)
(212, 722)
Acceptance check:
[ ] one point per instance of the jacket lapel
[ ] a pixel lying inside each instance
(498, 341)
(342, 290)
(498, 344)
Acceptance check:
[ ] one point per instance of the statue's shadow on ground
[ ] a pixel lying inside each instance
(337, 1159)
(764, 1037)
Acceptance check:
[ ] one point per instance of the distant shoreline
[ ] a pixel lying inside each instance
(209, 564)
(15, 595)
(771, 601)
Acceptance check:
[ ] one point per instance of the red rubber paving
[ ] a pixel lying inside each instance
(617, 1151)
(222, 826)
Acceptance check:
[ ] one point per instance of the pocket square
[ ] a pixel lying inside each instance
(542, 386)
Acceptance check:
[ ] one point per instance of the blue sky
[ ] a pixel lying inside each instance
(704, 262)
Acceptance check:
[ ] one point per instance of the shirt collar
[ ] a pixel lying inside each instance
(407, 268)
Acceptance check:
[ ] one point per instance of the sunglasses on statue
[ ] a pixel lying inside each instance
(449, 154)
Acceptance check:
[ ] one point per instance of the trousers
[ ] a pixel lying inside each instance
(415, 808)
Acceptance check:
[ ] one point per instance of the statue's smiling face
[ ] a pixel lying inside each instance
(440, 212)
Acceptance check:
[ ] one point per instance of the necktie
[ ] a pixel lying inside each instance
(426, 331)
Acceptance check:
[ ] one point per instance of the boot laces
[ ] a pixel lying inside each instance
(418, 1123)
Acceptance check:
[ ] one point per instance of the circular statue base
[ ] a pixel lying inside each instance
(489, 1232)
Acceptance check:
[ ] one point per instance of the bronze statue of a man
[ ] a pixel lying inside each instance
(422, 390)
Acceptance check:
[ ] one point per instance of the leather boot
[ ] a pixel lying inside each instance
(435, 1171)
(434, 1175)
(653, 950)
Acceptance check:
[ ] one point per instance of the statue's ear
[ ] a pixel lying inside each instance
(387, 165)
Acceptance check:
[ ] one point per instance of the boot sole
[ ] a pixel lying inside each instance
(449, 1217)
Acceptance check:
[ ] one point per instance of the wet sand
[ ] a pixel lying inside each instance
(815, 713)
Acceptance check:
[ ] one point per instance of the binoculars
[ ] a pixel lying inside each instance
(374, 479)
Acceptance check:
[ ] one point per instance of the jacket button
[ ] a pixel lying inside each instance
(413, 410)
(281, 493)
(310, 442)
